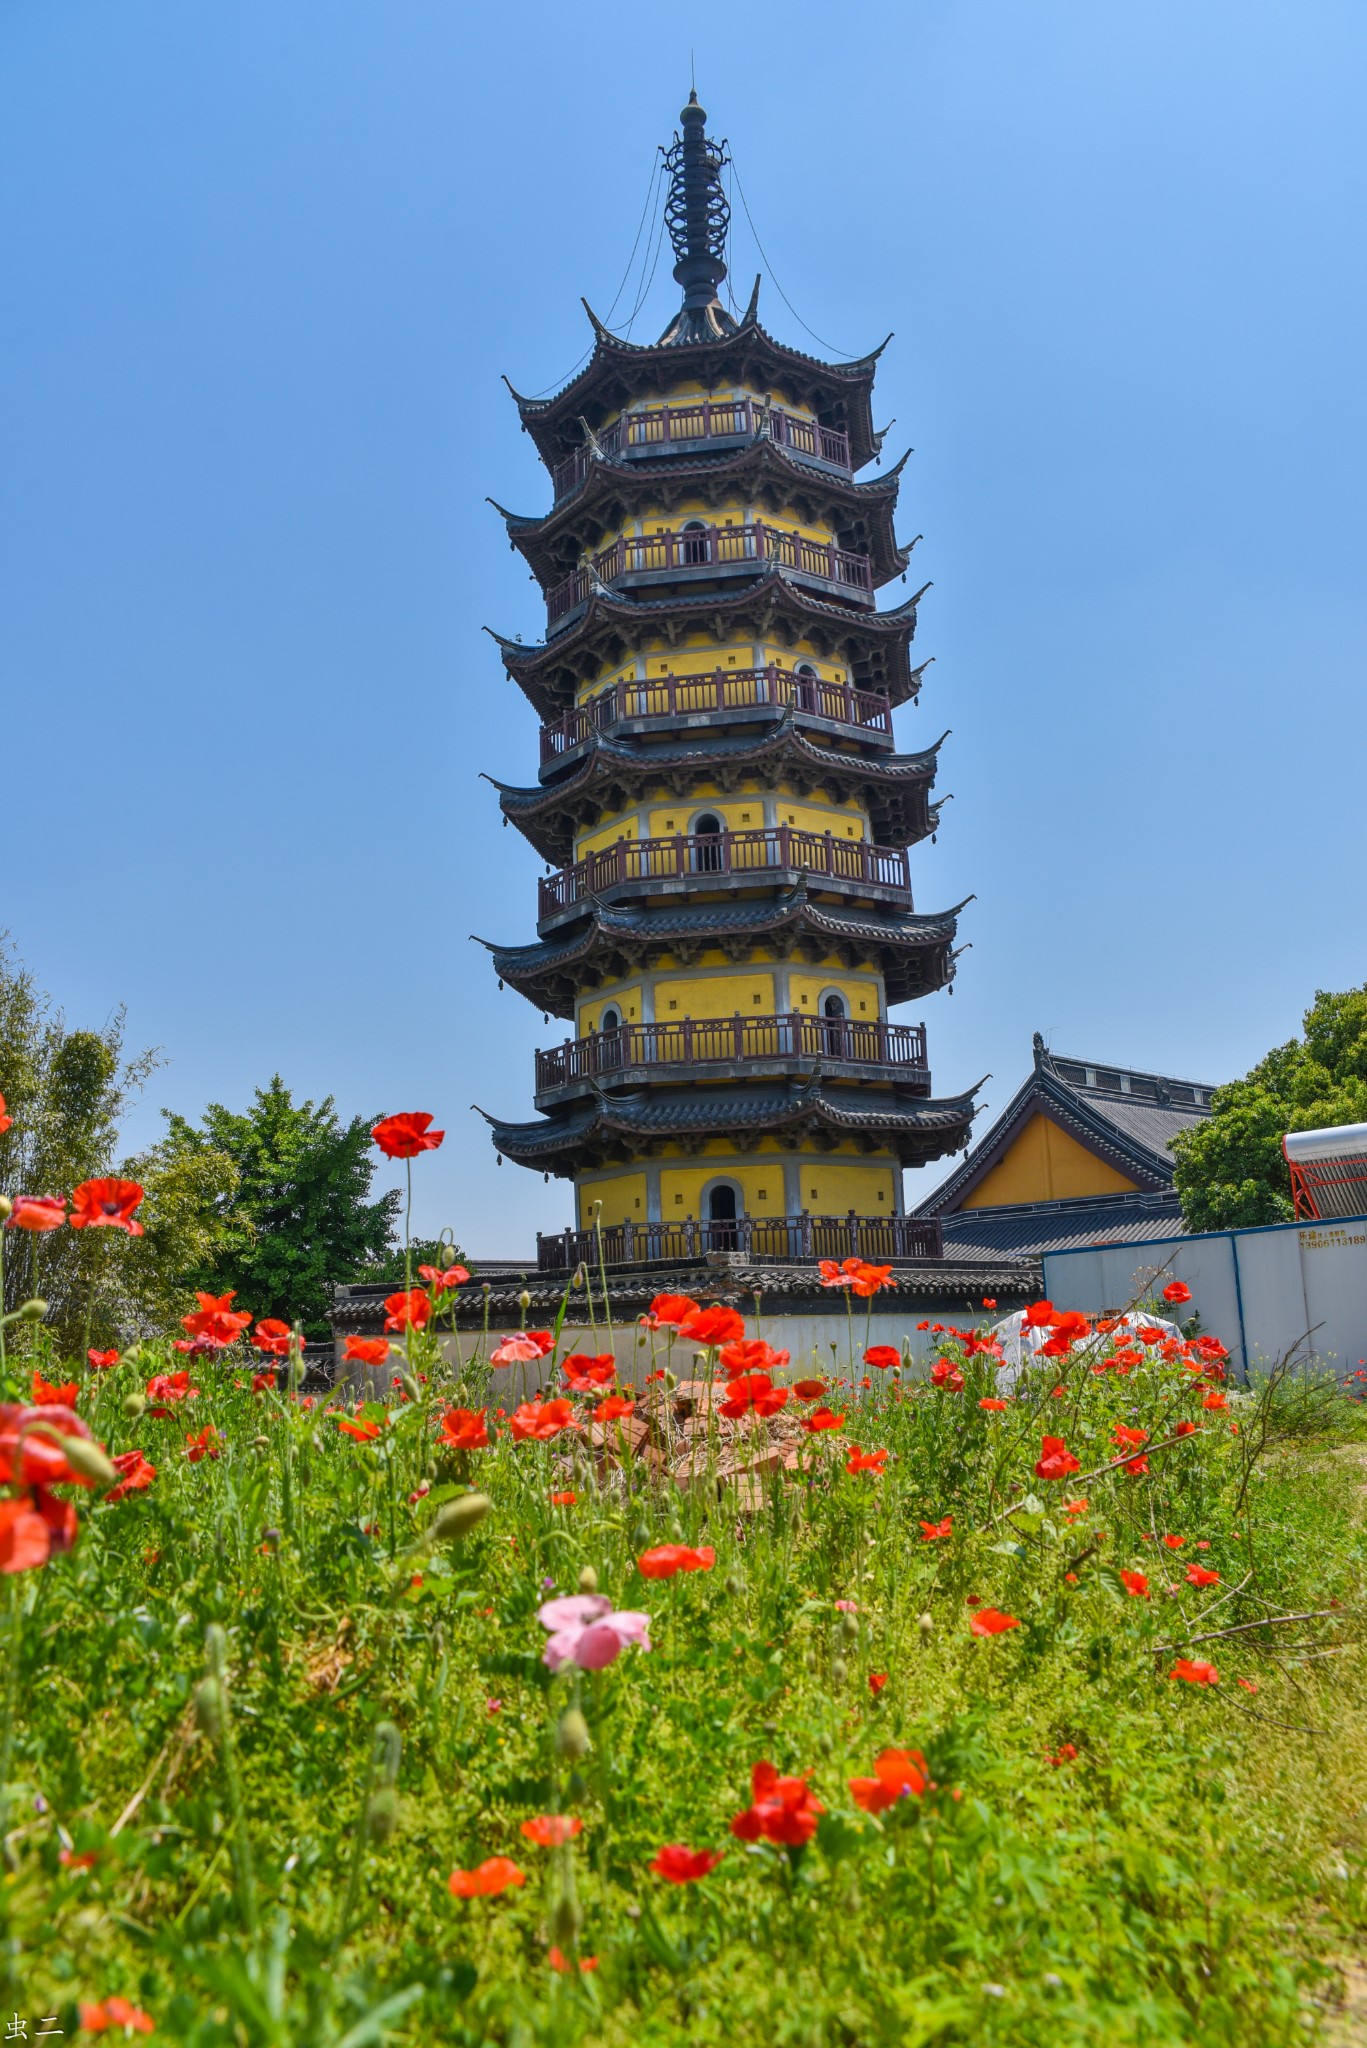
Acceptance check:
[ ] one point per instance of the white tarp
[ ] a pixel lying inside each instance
(1260, 1291)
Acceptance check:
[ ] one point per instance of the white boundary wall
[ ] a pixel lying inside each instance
(1258, 1290)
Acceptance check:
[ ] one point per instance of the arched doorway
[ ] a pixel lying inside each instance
(708, 845)
(723, 1211)
(610, 1050)
(693, 549)
(835, 1026)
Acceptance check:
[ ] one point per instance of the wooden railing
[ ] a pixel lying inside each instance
(699, 1040)
(710, 855)
(732, 419)
(777, 1239)
(710, 547)
(725, 689)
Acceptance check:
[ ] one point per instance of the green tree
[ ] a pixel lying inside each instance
(300, 1214)
(66, 1093)
(1230, 1168)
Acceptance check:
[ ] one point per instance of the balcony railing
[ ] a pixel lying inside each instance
(700, 1041)
(788, 1240)
(725, 689)
(712, 547)
(710, 856)
(654, 427)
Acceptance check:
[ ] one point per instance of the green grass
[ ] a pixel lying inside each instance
(1179, 1880)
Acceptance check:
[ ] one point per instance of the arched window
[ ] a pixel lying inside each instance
(693, 550)
(808, 686)
(708, 845)
(611, 1019)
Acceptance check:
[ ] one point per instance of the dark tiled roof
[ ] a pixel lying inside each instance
(917, 1129)
(1034, 1227)
(893, 785)
(1125, 1119)
(908, 941)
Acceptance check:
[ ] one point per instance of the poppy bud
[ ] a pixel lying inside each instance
(524, 1300)
(824, 1743)
(588, 1580)
(640, 1536)
(572, 1736)
(566, 1920)
(671, 1380)
(410, 1386)
(448, 1255)
(89, 1461)
(676, 1534)
(849, 1627)
(6, 1205)
(133, 1405)
(209, 1708)
(382, 1813)
(734, 1584)
(457, 1518)
(33, 1311)
(429, 1470)
(840, 1670)
(926, 1625)
(261, 1443)
(578, 1279)
(810, 1660)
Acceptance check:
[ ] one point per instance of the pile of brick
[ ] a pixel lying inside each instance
(681, 1436)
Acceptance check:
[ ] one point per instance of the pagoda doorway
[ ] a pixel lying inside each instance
(722, 1214)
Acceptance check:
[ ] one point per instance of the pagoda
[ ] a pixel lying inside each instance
(727, 915)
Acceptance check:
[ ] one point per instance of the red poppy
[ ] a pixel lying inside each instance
(936, 1532)
(522, 1347)
(677, 1864)
(1066, 1753)
(1135, 1584)
(993, 1404)
(668, 1558)
(1195, 1672)
(584, 1373)
(37, 1212)
(877, 1680)
(25, 1538)
(1248, 1684)
(1184, 1429)
(1197, 1575)
(563, 1500)
(711, 1326)
(464, 1429)
(989, 1301)
(1076, 1507)
(404, 1136)
(558, 1960)
(135, 1474)
(990, 1621)
(1123, 1434)
(881, 1356)
(753, 1394)
(263, 1382)
(101, 1361)
(1177, 1291)
(108, 1203)
(821, 1419)
(1174, 1542)
(782, 1810)
(364, 1432)
(856, 1274)
(408, 1311)
(1055, 1460)
(165, 1389)
(898, 1774)
(273, 1337)
(551, 1830)
(1038, 1316)
(205, 1445)
(215, 1324)
(5, 1121)
(865, 1461)
(616, 1408)
(46, 1395)
(540, 1420)
(750, 1354)
(809, 1390)
(367, 1350)
(668, 1311)
(1215, 1400)
(442, 1277)
(486, 1880)
(1150, 1334)
(114, 2012)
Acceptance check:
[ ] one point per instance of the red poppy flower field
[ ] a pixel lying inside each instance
(992, 1703)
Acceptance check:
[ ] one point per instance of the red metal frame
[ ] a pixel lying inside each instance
(1311, 1174)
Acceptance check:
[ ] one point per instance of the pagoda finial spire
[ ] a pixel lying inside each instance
(696, 211)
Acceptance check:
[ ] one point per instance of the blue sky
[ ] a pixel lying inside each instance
(263, 263)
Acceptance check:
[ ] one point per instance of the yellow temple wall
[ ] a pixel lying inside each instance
(1045, 1164)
